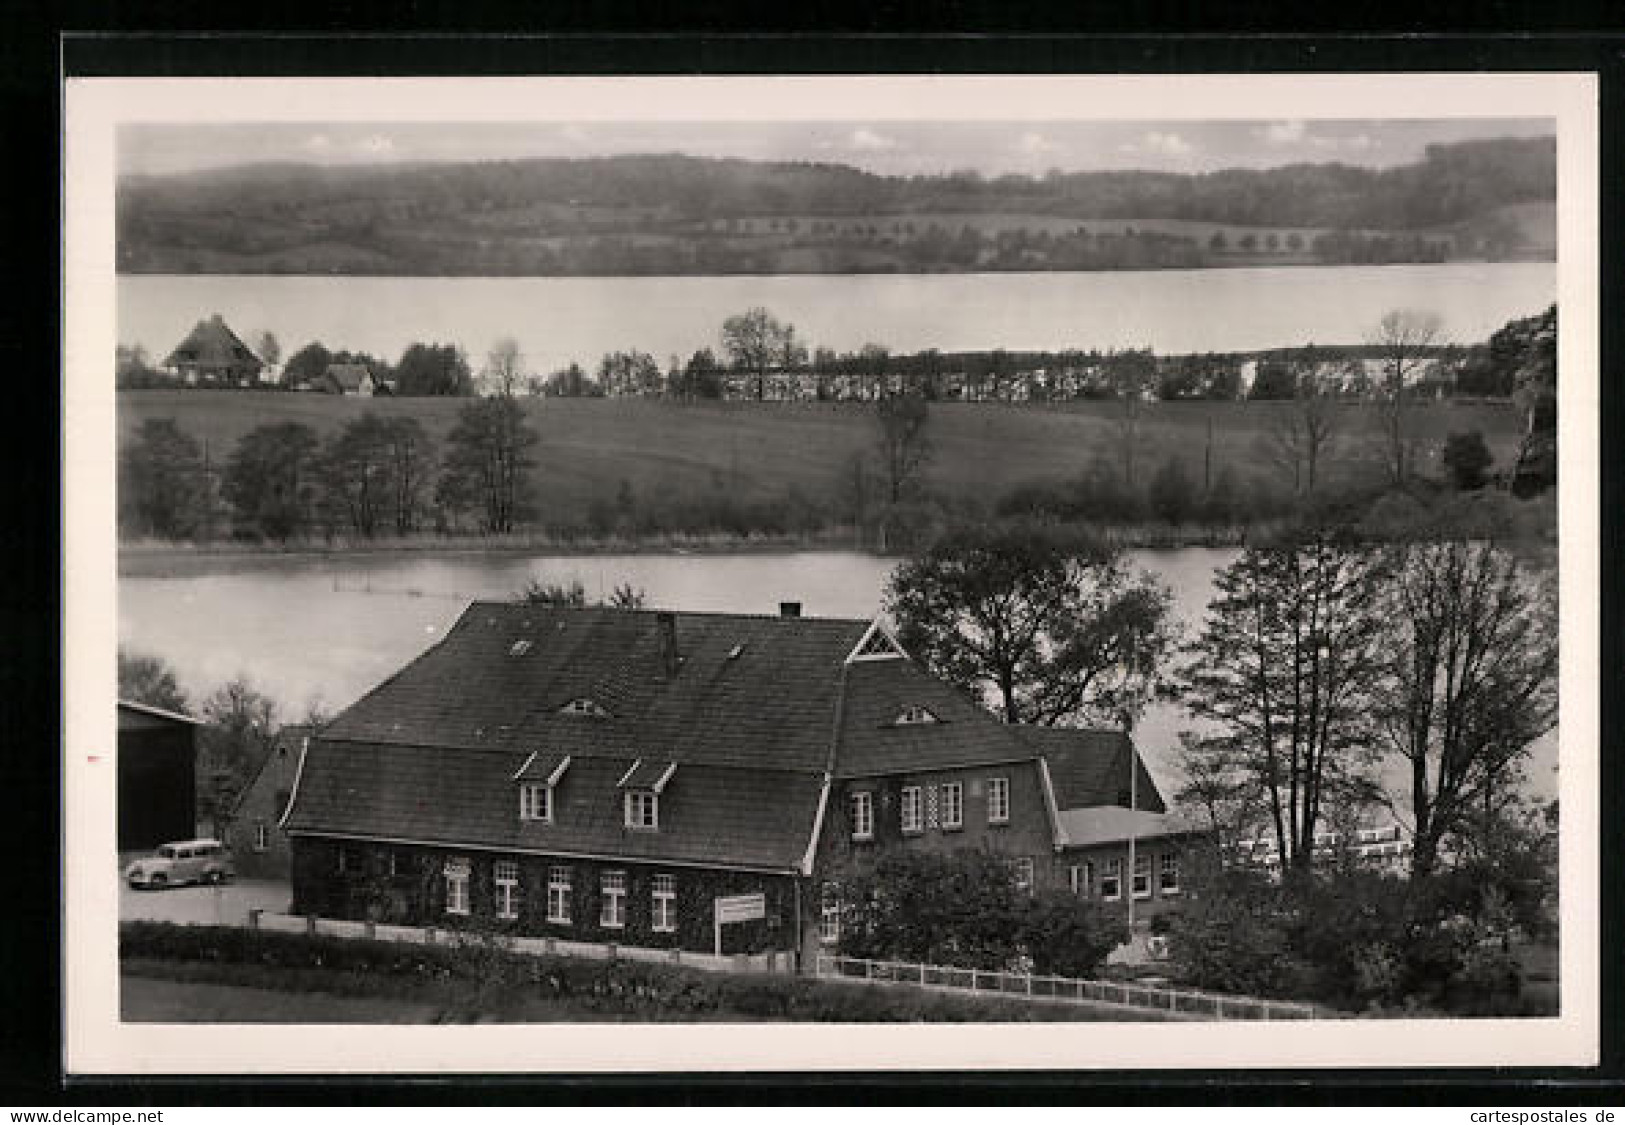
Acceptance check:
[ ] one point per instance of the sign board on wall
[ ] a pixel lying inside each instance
(741, 908)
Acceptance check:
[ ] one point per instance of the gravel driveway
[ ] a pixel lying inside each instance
(227, 904)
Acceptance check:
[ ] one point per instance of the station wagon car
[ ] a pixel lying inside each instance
(182, 862)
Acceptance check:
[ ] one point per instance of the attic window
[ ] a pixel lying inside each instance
(584, 707)
(734, 653)
(877, 643)
(912, 716)
(519, 648)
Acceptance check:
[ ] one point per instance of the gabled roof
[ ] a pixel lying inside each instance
(130, 706)
(348, 376)
(872, 742)
(768, 708)
(1089, 768)
(212, 344)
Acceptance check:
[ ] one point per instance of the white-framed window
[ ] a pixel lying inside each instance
(1074, 879)
(911, 809)
(584, 707)
(1088, 887)
(953, 805)
(262, 836)
(1111, 880)
(612, 899)
(343, 862)
(535, 802)
(829, 913)
(911, 716)
(998, 800)
(1142, 876)
(1168, 875)
(863, 815)
(642, 809)
(1024, 873)
(558, 895)
(663, 915)
(505, 874)
(456, 870)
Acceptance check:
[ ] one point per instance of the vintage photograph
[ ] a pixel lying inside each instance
(890, 568)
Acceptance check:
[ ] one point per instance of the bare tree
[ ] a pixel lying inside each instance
(504, 370)
(905, 443)
(1405, 337)
(1305, 431)
(1470, 676)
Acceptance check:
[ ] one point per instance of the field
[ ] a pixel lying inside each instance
(670, 452)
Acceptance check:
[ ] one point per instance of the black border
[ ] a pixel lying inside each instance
(30, 1038)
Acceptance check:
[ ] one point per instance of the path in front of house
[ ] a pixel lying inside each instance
(226, 904)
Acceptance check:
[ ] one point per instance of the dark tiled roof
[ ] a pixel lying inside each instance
(877, 691)
(348, 376)
(1089, 768)
(212, 344)
(708, 814)
(771, 707)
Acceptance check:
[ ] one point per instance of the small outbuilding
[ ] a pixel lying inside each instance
(157, 776)
(351, 379)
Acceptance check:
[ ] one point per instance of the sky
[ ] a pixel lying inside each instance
(886, 147)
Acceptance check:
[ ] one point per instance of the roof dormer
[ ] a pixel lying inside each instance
(914, 715)
(585, 708)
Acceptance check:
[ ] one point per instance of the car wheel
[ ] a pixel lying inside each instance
(158, 882)
(211, 877)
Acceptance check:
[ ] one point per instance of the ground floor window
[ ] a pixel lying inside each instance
(1111, 881)
(505, 874)
(1024, 874)
(1168, 875)
(262, 836)
(558, 895)
(1142, 876)
(664, 906)
(457, 885)
(829, 914)
(612, 900)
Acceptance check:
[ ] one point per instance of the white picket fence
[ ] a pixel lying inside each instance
(770, 962)
(1175, 1001)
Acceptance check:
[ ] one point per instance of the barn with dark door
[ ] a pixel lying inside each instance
(157, 787)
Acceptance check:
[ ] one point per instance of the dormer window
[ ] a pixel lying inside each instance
(642, 785)
(585, 707)
(914, 716)
(537, 779)
(519, 648)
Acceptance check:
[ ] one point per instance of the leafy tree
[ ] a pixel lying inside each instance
(163, 489)
(149, 679)
(1282, 673)
(307, 365)
(1273, 379)
(1468, 459)
(1535, 395)
(433, 369)
(701, 377)
(133, 369)
(488, 462)
(574, 595)
(756, 341)
(629, 374)
(271, 478)
(1470, 667)
(1404, 338)
(357, 465)
(572, 382)
(1054, 631)
(1173, 497)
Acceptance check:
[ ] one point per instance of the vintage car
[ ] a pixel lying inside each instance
(184, 861)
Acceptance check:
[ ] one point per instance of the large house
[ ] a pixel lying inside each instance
(212, 354)
(606, 775)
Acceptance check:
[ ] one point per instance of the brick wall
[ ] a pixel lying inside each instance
(416, 895)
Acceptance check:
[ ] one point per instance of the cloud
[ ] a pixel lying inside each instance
(867, 140)
(1283, 132)
(1164, 144)
(1036, 144)
(377, 145)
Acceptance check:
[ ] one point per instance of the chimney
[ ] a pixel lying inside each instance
(789, 609)
(668, 642)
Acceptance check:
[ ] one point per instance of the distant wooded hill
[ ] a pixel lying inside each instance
(674, 214)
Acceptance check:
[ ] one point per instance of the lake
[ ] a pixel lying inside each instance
(562, 319)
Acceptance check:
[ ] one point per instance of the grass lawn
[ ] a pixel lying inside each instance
(670, 452)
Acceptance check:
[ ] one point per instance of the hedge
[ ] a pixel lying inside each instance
(631, 988)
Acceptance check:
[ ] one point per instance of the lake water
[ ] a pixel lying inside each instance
(557, 320)
(310, 630)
